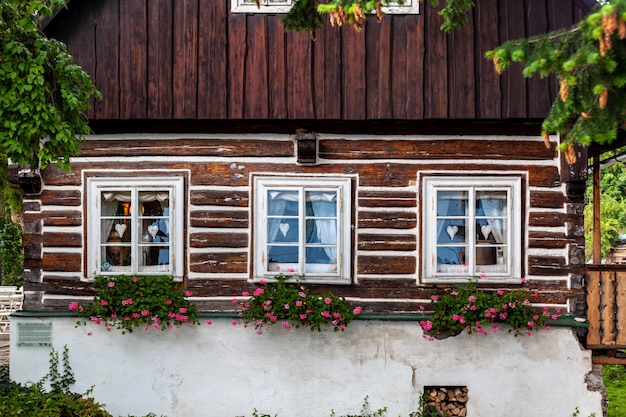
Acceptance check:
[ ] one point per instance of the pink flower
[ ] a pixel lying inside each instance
(426, 325)
(127, 302)
(303, 316)
(156, 325)
(188, 293)
(104, 302)
(168, 302)
(234, 301)
(547, 328)
(285, 325)
(536, 317)
(554, 317)
(483, 276)
(473, 307)
(262, 282)
(434, 297)
(500, 292)
(535, 294)
(299, 303)
(526, 302)
(528, 332)
(258, 292)
(327, 300)
(113, 315)
(503, 316)
(325, 314)
(471, 298)
(301, 294)
(234, 322)
(136, 315)
(291, 270)
(89, 334)
(531, 324)
(245, 294)
(209, 322)
(183, 310)
(111, 284)
(73, 306)
(461, 320)
(421, 307)
(286, 306)
(342, 327)
(455, 317)
(523, 280)
(357, 310)
(145, 313)
(455, 293)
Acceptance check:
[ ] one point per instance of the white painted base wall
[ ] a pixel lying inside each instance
(223, 370)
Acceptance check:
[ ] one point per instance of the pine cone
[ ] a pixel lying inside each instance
(563, 90)
(603, 98)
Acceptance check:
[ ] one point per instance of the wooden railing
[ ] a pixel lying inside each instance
(606, 306)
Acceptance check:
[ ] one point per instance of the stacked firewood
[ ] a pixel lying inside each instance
(448, 401)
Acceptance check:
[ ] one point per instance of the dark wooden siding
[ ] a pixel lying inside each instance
(194, 60)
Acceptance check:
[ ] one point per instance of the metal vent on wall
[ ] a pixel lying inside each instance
(34, 334)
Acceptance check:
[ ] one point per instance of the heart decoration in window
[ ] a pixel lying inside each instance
(120, 228)
(452, 230)
(284, 228)
(485, 230)
(153, 230)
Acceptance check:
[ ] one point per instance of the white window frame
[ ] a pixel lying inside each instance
(283, 6)
(514, 232)
(261, 184)
(96, 185)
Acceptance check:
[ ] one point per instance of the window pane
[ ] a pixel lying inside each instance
(282, 203)
(116, 258)
(451, 231)
(452, 203)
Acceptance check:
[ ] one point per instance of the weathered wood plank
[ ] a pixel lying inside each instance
(546, 219)
(547, 240)
(386, 220)
(372, 242)
(620, 304)
(188, 147)
(328, 61)
(538, 100)
(386, 264)
(462, 93)
(607, 288)
(278, 77)
(236, 64)
(547, 265)
(398, 75)
(212, 59)
(415, 67)
(219, 198)
(378, 41)
(300, 96)
(82, 41)
(61, 262)
(133, 49)
(160, 57)
(256, 103)
(219, 263)
(435, 66)
(107, 53)
(61, 239)
(219, 240)
(353, 71)
(219, 219)
(514, 97)
(434, 149)
(387, 199)
(547, 199)
(63, 218)
(61, 198)
(488, 92)
(185, 66)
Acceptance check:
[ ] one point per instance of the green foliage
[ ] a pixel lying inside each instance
(615, 383)
(11, 253)
(34, 401)
(589, 61)
(290, 304)
(305, 15)
(43, 96)
(466, 307)
(365, 411)
(612, 208)
(126, 302)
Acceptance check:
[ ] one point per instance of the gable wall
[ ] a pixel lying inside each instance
(193, 59)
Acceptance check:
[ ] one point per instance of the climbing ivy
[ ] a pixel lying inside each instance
(43, 95)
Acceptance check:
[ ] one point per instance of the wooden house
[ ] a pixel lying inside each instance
(429, 168)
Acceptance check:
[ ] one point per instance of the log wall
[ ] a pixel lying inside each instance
(386, 215)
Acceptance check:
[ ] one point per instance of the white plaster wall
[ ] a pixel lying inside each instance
(223, 370)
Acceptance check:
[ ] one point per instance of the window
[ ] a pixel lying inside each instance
(283, 6)
(135, 226)
(472, 227)
(302, 227)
